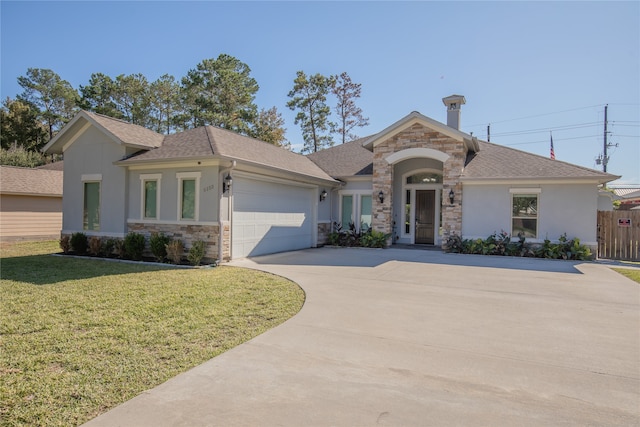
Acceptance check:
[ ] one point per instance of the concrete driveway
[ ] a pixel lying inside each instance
(420, 338)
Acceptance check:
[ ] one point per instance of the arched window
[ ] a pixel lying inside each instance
(425, 178)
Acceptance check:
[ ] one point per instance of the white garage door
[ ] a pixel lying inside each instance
(270, 217)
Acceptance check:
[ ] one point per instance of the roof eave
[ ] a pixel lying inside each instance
(542, 180)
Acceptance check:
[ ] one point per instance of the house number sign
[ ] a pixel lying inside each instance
(208, 188)
(624, 222)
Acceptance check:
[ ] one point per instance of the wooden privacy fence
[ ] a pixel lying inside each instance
(619, 235)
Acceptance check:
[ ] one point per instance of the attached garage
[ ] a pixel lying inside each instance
(271, 216)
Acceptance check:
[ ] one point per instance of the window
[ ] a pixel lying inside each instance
(91, 212)
(356, 208)
(365, 213)
(524, 215)
(346, 217)
(150, 190)
(425, 178)
(407, 212)
(188, 184)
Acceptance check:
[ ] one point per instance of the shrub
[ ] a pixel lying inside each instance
(196, 253)
(118, 248)
(95, 246)
(107, 247)
(65, 244)
(134, 245)
(175, 249)
(158, 245)
(79, 243)
(374, 239)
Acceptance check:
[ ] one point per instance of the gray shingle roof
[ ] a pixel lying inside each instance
(27, 181)
(126, 132)
(192, 143)
(498, 162)
(211, 141)
(348, 159)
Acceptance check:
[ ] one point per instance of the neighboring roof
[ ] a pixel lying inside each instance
(632, 195)
(345, 160)
(496, 162)
(55, 166)
(210, 141)
(118, 130)
(417, 118)
(627, 192)
(30, 182)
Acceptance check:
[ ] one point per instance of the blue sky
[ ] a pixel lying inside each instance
(524, 67)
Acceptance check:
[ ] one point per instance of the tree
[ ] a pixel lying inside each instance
(20, 126)
(131, 98)
(269, 127)
(55, 98)
(309, 97)
(221, 92)
(98, 96)
(164, 103)
(349, 115)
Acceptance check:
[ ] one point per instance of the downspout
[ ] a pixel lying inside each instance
(229, 213)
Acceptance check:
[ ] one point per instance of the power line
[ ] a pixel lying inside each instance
(554, 140)
(538, 115)
(547, 129)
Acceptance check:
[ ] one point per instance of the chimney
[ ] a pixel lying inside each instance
(453, 103)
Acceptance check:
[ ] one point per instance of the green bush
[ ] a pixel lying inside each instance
(175, 250)
(108, 247)
(79, 243)
(19, 156)
(196, 253)
(158, 244)
(134, 245)
(374, 239)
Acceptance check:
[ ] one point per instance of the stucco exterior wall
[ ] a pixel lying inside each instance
(93, 153)
(562, 208)
(208, 206)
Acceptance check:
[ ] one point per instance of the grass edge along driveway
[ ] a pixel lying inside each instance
(80, 336)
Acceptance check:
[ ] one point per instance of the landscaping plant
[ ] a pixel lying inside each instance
(134, 245)
(196, 252)
(79, 243)
(175, 250)
(95, 246)
(65, 244)
(158, 244)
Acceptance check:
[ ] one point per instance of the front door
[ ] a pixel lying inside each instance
(425, 216)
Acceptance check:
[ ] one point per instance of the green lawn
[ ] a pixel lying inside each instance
(80, 336)
(631, 274)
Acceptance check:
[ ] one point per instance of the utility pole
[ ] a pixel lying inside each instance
(606, 158)
(489, 132)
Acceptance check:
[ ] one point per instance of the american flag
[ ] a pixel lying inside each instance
(552, 154)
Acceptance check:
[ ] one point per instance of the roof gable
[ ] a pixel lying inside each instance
(416, 118)
(117, 130)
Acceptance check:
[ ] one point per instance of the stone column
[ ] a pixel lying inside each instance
(382, 181)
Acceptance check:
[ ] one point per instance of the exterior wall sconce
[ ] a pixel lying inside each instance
(323, 195)
(226, 184)
(452, 195)
(381, 196)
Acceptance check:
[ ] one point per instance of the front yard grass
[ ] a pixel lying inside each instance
(80, 336)
(630, 273)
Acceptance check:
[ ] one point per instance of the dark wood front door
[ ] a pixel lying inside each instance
(425, 216)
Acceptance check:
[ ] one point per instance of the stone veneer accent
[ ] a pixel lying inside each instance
(418, 136)
(324, 229)
(187, 233)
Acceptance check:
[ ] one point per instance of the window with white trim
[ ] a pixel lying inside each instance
(188, 195)
(150, 192)
(91, 202)
(356, 209)
(524, 215)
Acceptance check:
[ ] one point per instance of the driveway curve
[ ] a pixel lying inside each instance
(421, 338)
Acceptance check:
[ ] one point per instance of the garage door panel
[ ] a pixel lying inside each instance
(270, 217)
